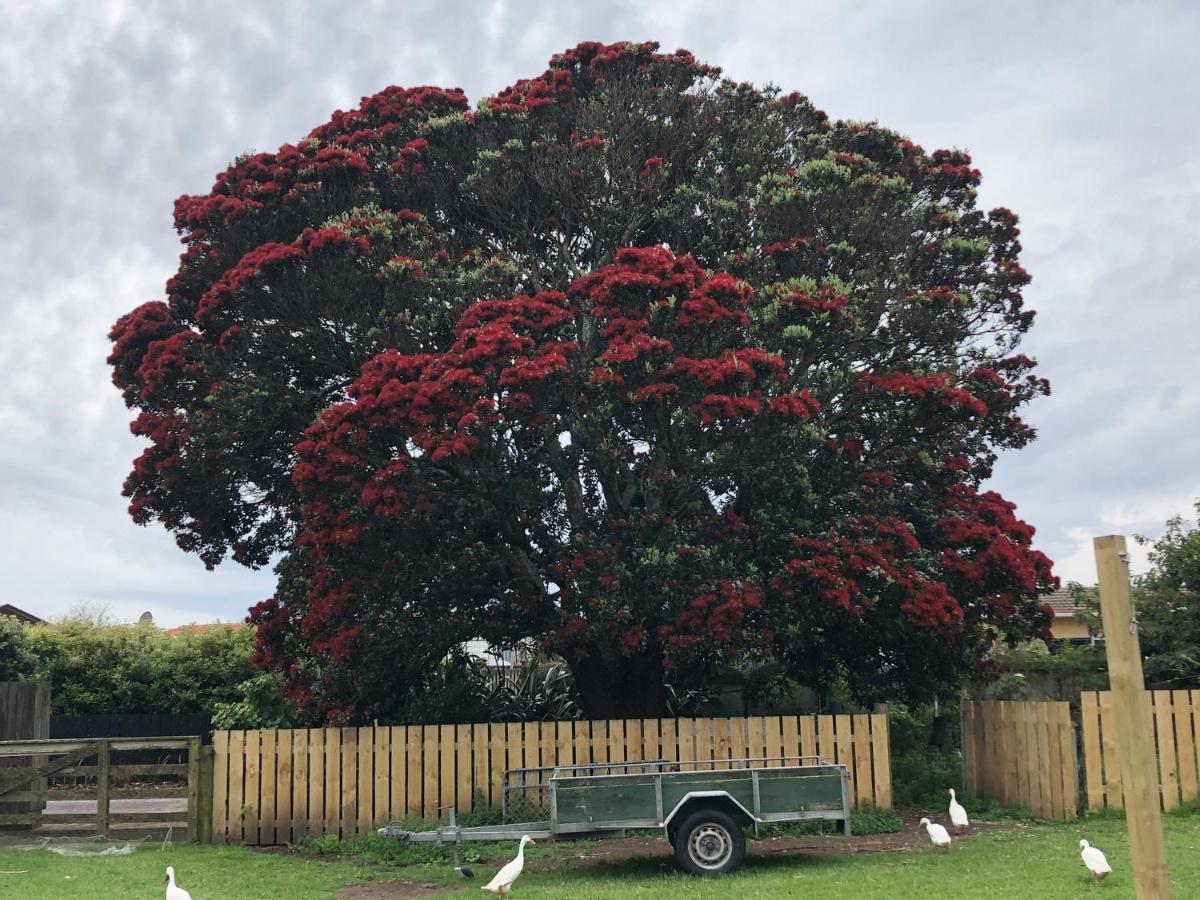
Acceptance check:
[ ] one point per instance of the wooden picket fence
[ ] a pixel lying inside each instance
(1177, 740)
(276, 786)
(1022, 753)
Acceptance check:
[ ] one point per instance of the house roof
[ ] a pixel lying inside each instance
(1062, 603)
(7, 609)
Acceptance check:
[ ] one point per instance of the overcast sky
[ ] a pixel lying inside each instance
(1082, 116)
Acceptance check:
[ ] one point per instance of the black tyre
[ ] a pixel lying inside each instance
(709, 842)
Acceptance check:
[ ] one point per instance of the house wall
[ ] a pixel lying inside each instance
(1066, 629)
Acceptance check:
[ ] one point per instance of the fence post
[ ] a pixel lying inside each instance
(103, 783)
(204, 800)
(1134, 726)
(193, 790)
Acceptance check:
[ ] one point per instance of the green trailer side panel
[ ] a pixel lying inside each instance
(785, 791)
(735, 782)
(606, 799)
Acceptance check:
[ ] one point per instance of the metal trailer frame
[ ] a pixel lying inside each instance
(548, 829)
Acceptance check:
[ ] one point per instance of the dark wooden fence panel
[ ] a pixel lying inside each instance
(131, 725)
(24, 715)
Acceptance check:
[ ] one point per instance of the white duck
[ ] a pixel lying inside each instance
(1095, 861)
(174, 892)
(958, 815)
(504, 879)
(937, 833)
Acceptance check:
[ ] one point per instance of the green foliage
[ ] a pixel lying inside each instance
(1168, 607)
(921, 779)
(262, 705)
(16, 660)
(135, 668)
(1035, 671)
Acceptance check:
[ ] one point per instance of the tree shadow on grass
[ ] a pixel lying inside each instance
(641, 867)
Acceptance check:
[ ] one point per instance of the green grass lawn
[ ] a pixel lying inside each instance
(1017, 862)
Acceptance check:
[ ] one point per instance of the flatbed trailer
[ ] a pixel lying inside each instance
(702, 806)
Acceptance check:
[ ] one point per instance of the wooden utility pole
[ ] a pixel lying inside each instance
(1135, 726)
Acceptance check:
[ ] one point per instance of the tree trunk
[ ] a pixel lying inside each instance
(612, 686)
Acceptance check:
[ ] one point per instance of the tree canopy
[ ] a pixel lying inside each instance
(659, 369)
(1167, 600)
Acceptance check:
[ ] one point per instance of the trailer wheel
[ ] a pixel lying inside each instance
(709, 842)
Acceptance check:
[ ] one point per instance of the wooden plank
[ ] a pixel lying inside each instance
(1022, 794)
(826, 745)
(881, 761)
(583, 746)
(284, 763)
(1186, 742)
(446, 761)
(564, 744)
(1093, 762)
(269, 792)
(414, 757)
(650, 749)
(754, 737)
(315, 826)
(204, 800)
(496, 763)
(1134, 721)
(237, 794)
(991, 728)
(365, 795)
(721, 743)
(703, 743)
(220, 786)
(103, 785)
(463, 773)
(970, 741)
(1010, 783)
(514, 752)
(861, 725)
(193, 791)
(1038, 778)
(397, 772)
(755, 741)
(1070, 762)
(530, 734)
(599, 741)
(480, 774)
(807, 725)
(348, 796)
(685, 743)
(773, 740)
(739, 744)
(633, 743)
(790, 742)
(1114, 792)
(333, 781)
(430, 765)
(546, 738)
(669, 740)
(381, 806)
(844, 743)
(1167, 768)
(300, 783)
(253, 787)
(1054, 761)
(616, 740)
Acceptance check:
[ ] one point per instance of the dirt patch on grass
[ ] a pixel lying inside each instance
(912, 837)
(389, 890)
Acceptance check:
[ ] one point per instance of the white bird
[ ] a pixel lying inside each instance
(937, 833)
(1095, 861)
(174, 892)
(504, 879)
(958, 815)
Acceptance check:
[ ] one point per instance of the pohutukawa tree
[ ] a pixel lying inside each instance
(661, 370)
